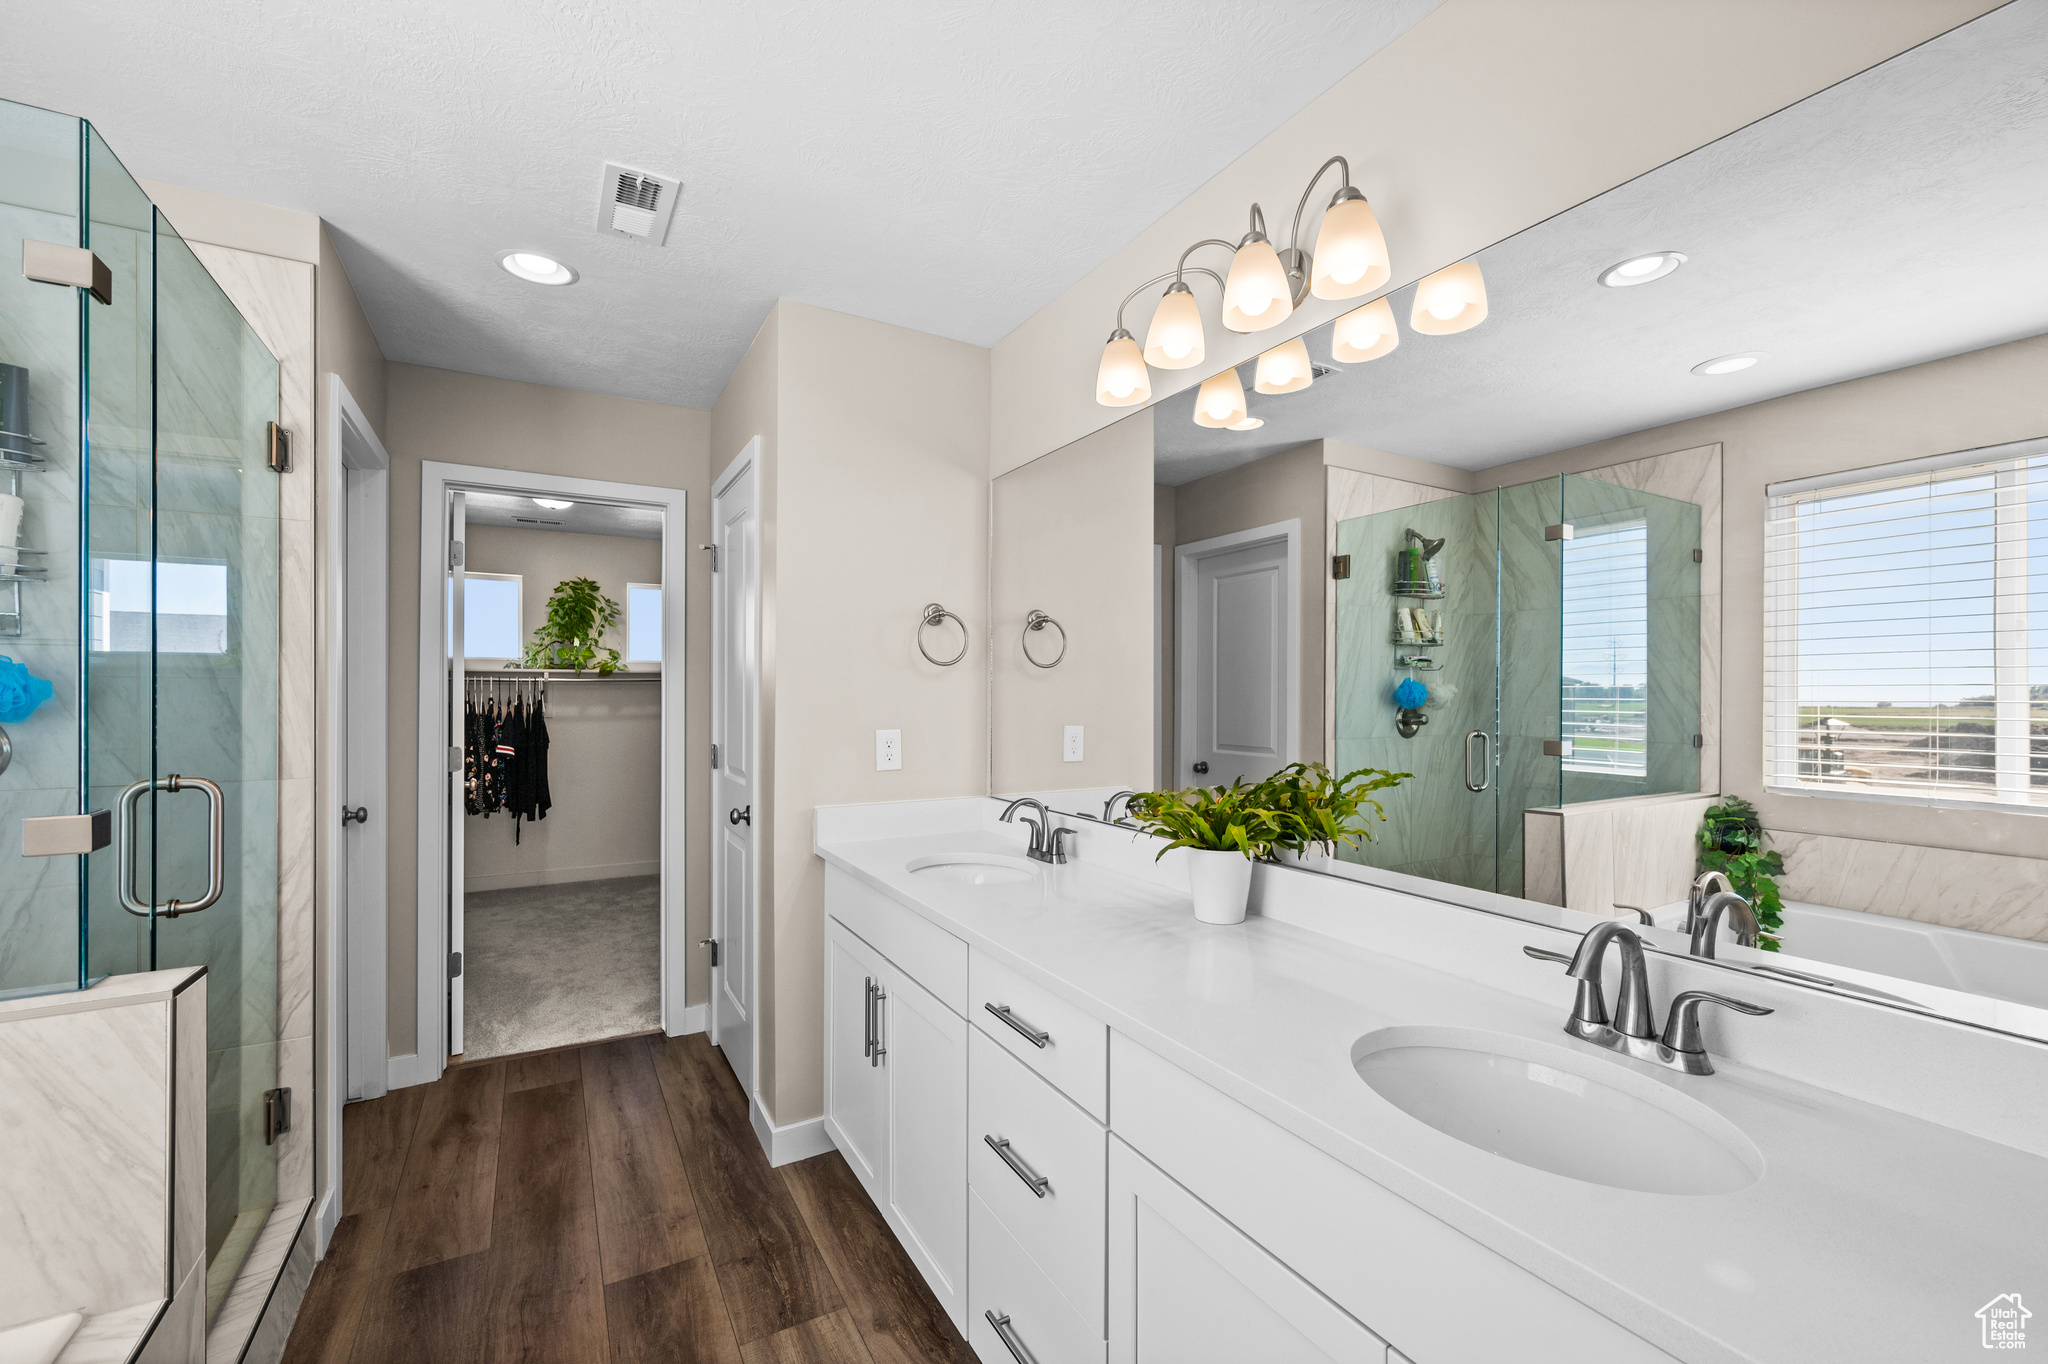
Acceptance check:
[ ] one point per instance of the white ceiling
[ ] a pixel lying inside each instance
(581, 518)
(949, 168)
(1894, 219)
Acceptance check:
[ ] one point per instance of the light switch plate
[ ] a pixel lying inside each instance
(1072, 752)
(888, 750)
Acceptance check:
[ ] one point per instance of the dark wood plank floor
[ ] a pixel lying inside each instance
(606, 1204)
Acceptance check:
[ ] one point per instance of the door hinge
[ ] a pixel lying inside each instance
(711, 943)
(279, 443)
(714, 556)
(1340, 565)
(1557, 748)
(65, 835)
(714, 757)
(71, 266)
(277, 1114)
(455, 758)
(1558, 532)
(454, 965)
(1699, 556)
(1699, 741)
(455, 555)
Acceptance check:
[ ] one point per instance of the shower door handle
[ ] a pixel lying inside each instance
(1486, 776)
(216, 846)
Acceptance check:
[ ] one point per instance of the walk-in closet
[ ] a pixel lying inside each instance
(561, 772)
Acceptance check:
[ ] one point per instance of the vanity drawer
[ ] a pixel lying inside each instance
(927, 953)
(1058, 1221)
(1005, 1286)
(1046, 1033)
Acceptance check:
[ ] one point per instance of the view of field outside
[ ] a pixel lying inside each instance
(1607, 648)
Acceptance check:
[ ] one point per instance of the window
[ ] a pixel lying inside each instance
(191, 612)
(1906, 631)
(643, 622)
(490, 617)
(1606, 637)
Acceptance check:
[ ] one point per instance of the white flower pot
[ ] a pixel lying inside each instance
(1221, 883)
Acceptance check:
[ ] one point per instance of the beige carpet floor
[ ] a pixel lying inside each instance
(555, 966)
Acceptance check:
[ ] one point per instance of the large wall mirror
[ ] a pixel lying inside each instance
(1736, 488)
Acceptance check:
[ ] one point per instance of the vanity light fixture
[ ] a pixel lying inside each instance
(1728, 364)
(1220, 401)
(1642, 269)
(1284, 369)
(1451, 300)
(1121, 380)
(551, 504)
(1175, 339)
(535, 268)
(1365, 333)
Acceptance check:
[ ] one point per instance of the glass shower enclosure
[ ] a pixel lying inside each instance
(138, 623)
(1554, 628)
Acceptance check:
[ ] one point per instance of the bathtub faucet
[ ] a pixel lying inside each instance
(1703, 886)
(1708, 929)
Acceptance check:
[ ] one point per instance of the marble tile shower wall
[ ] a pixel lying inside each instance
(1985, 892)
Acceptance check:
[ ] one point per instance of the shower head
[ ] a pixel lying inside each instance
(1429, 546)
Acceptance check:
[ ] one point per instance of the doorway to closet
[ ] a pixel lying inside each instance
(554, 722)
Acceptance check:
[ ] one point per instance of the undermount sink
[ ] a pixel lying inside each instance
(975, 869)
(1552, 1108)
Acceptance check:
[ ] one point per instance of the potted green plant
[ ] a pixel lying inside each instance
(1224, 828)
(572, 635)
(1328, 810)
(1732, 843)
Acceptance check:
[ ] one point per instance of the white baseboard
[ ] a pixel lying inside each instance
(558, 876)
(412, 1069)
(325, 1218)
(792, 1141)
(695, 1019)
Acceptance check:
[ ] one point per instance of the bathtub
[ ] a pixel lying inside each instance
(1984, 964)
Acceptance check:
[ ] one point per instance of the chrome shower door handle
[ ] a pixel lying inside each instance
(216, 846)
(1486, 777)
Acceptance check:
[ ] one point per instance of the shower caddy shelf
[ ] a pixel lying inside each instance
(14, 463)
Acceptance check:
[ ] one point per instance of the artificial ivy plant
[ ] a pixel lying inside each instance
(1732, 842)
(572, 636)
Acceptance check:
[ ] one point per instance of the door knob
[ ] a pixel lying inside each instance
(359, 815)
(1201, 769)
(745, 816)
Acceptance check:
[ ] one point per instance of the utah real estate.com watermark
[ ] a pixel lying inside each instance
(2005, 1322)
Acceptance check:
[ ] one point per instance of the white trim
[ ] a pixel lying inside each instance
(1185, 557)
(1907, 468)
(1159, 746)
(325, 1218)
(692, 1020)
(790, 1142)
(437, 480)
(411, 1069)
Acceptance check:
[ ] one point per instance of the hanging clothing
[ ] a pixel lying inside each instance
(505, 757)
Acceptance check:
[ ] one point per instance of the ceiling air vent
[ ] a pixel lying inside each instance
(636, 204)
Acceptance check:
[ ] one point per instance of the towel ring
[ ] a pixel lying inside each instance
(935, 614)
(1038, 620)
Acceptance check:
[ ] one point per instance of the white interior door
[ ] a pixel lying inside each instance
(735, 684)
(1236, 657)
(457, 744)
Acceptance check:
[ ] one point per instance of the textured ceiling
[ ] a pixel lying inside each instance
(1894, 219)
(949, 168)
(580, 518)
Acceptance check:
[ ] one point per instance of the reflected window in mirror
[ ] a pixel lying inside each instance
(1606, 637)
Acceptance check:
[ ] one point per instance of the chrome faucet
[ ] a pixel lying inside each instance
(1707, 929)
(1046, 843)
(1109, 806)
(1696, 898)
(1632, 1031)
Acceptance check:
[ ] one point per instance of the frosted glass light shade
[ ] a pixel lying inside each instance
(1175, 339)
(1284, 369)
(1451, 300)
(1351, 252)
(1220, 402)
(1257, 294)
(1122, 380)
(1364, 333)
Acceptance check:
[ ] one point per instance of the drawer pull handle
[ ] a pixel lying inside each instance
(1037, 1183)
(1025, 1030)
(1008, 1335)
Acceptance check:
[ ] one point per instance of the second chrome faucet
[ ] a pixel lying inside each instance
(1632, 1028)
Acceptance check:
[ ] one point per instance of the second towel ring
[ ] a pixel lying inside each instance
(1038, 620)
(935, 614)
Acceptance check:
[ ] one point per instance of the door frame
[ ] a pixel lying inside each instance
(437, 480)
(1185, 557)
(749, 458)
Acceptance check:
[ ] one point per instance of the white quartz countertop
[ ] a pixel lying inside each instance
(1871, 1235)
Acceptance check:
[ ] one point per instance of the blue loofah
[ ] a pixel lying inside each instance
(1410, 694)
(21, 691)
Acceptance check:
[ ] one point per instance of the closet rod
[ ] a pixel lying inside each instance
(536, 675)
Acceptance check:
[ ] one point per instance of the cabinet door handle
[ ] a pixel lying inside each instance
(1008, 1335)
(1037, 1183)
(876, 1051)
(867, 1022)
(1025, 1030)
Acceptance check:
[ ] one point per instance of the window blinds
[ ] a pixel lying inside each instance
(1906, 632)
(1606, 639)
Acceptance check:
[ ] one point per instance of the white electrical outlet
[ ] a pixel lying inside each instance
(1072, 752)
(888, 750)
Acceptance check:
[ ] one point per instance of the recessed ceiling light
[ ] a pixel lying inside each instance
(551, 504)
(1641, 269)
(536, 268)
(1728, 364)
(1248, 424)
